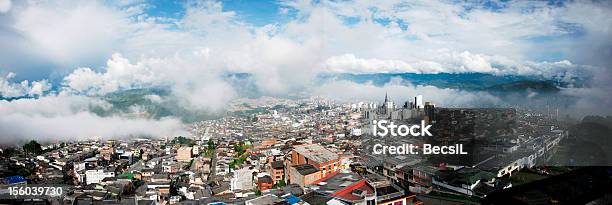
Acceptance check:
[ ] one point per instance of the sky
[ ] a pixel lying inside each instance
(74, 51)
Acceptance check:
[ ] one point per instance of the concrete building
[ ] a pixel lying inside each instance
(265, 182)
(318, 156)
(277, 170)
(351, 188)
(242, 179)
(195, 150)
(304, 174)
(183, 154)
(418, 102)
(96, 176)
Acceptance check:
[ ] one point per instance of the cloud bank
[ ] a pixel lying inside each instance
(401, 91)
(66, 117)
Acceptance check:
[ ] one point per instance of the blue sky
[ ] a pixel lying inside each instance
(257, 13)
(169, 8)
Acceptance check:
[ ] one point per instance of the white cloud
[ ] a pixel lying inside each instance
(39, 87)
(445, 61)
(5, 6)
(400, 91)
(71, 32)
(119, 74)
(283, 10)
(24, 88)
(154, 98)
(67, 117)
(192, 78)
(348, 63)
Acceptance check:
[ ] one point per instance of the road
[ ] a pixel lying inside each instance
(213, 166)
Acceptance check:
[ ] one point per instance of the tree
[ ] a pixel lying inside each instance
(9, 152)
(280, 184)
(211, 145)
(32, 147)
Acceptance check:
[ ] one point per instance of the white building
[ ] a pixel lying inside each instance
(418, 101)
(96, 176)
(356, 131)
(79, 166)
(242, 180)
(195, 150)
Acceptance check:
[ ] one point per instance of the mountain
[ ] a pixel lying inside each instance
(525, 85)
(14, 98)
(137, 101)
(463, 81)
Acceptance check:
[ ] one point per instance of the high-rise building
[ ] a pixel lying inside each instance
(387, 106)
(418, 102)
(429, 112)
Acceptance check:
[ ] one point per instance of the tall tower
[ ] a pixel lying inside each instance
(387, 107)
(386, 98)
(388, 104)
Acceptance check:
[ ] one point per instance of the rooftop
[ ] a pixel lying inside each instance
(265, 199)
(316, 153)
(306, 169)
(265, 179)
(277, 164)
(316, 198)
(343, 184)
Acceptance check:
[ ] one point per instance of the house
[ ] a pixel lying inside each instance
(277, 170)
(265, 182)
(223, 188)
(351, 188)
(464, 180)
(242, 179)
(304, 174)
(160, 178)
(96, 176)
(183, 154)
(316, 155)
(146, 174)
(170, 167)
